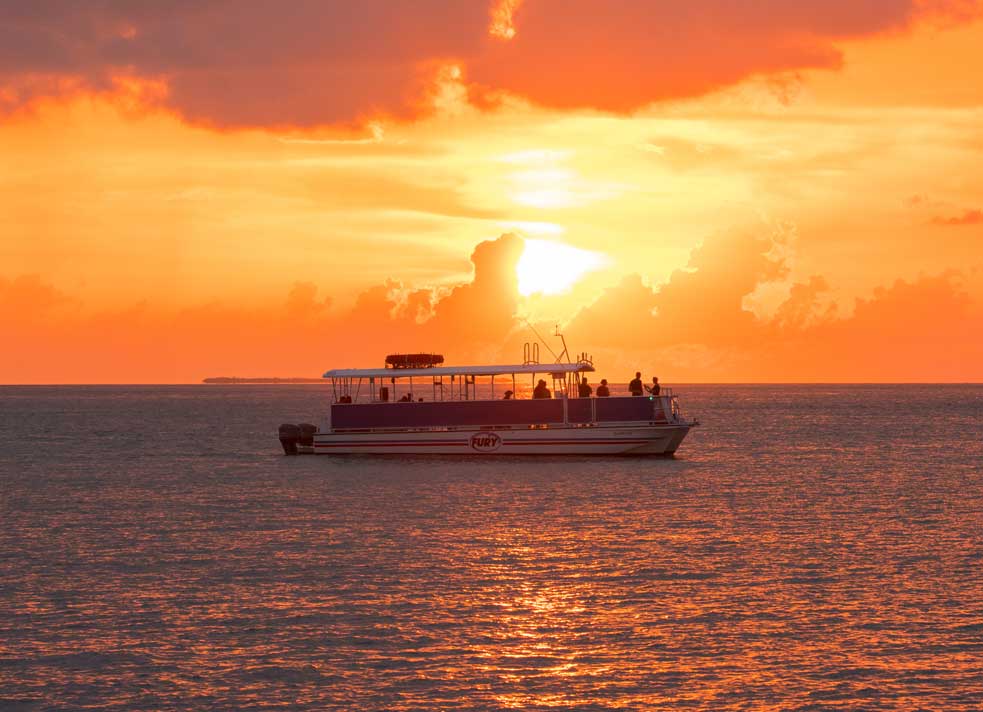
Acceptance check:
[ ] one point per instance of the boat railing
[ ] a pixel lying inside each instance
(549, 412)
(665, 393)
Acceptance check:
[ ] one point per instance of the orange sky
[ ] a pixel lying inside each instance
(779, 192)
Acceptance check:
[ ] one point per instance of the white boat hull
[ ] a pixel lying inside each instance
(597, 440)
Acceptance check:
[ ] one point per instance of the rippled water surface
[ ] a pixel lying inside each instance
(810, 547)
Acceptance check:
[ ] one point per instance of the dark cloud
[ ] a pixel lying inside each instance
(623, 54)
(313, 62)
(244, 62)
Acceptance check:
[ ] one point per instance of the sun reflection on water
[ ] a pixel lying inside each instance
(744, 576)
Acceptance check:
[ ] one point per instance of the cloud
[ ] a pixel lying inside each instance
(351, 188)
(254, 62)
(803, 305)
(695, 327)
(308, 62)
(482, 311)
(927, 329)
(25, 298)
(302, 302)
(28, 294)
(968, 217)
(682, 155)
(700, 304)
(624, 54)
(48, 336)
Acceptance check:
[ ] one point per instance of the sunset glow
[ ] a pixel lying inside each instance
(765, 210)
(551, 267)
(491, 355)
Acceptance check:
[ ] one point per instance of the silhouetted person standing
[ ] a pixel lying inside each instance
(602, 390)
(655, 388)
(635, 387)
(584, 389)
(541, 391)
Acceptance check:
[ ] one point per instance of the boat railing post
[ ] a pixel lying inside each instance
(566, 412)
(666, 407)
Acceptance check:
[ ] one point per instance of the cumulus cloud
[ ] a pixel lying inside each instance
(303, 303)
(692, 328)
(700, 304)
(481, 312)
(308, 62)
(927, 329)
(49, 336)
(803, 305)
(696, 327)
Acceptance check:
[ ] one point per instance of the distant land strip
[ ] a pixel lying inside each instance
(237, 379)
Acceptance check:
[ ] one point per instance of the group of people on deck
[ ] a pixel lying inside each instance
(636, 387)
(584, 390)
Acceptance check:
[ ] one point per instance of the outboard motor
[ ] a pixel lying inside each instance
(306, 434)
(289, 437)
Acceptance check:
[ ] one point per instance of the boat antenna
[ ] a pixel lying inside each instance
(542, 341)
(566, 351)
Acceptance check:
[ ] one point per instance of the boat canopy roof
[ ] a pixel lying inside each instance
(459, 370)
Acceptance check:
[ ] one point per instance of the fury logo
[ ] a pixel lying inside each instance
(485, 442)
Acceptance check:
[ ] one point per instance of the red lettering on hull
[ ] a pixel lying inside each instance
(485, 442)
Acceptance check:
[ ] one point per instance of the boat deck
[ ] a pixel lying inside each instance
(488, 413)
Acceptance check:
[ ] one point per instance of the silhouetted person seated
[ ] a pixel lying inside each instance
(635, 387)
(655, 388)
(408, 398)
(419, 400)
(508, 395)
(345, 399)
(584, 390)
(541, 391)
(602, 390)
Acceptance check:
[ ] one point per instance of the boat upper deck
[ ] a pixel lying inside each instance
(439, 371)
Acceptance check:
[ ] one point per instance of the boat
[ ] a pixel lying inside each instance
(417, 405)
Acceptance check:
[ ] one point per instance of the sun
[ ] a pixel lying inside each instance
(548, 267)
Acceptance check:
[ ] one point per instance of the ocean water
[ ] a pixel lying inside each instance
(809, 548)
